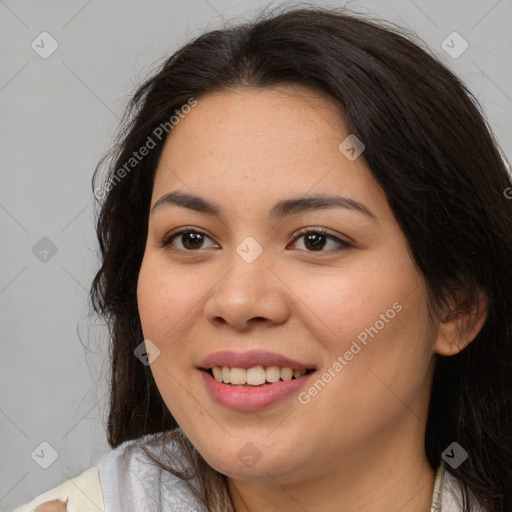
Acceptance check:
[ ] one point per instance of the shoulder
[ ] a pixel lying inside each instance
(125, 478)
(131, 479)
(80, 493)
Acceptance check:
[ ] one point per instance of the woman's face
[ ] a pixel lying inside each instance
(254, 281)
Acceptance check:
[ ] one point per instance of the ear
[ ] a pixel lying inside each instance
(460, 321)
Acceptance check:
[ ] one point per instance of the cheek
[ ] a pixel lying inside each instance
(164, 304)
(344, 305)
(165, 296)
(385, 364)
(378, 325)
(151, 300)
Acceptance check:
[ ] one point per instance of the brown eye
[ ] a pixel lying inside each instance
(190, 240)
(316, 239)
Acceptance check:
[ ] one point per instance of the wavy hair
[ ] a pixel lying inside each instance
(431, 150)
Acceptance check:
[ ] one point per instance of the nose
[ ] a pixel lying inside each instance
(248, 294)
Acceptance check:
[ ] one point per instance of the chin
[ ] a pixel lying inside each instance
(252, 461)
(260, 470)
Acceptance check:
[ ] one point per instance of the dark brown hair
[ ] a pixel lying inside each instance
(428, 146)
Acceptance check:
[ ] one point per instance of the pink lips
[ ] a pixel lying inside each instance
(251, 358)
(251, 398)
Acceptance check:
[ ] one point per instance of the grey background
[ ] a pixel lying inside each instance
(58, 116)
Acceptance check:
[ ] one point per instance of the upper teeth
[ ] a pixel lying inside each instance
(255, 376)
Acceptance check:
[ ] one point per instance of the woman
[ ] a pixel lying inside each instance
(306, 241)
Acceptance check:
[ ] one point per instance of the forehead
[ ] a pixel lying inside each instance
(260, 123)
(269, 141)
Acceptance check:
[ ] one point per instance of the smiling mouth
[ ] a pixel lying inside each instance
(256, 376)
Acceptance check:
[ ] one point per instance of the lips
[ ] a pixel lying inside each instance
(250, 397)
(250, 359)
(246, 398)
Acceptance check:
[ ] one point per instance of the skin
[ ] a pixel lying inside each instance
(358, 444)
(52, 506)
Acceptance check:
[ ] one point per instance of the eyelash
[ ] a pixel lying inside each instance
(166, 242)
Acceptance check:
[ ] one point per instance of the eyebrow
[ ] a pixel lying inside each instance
(278, 211)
